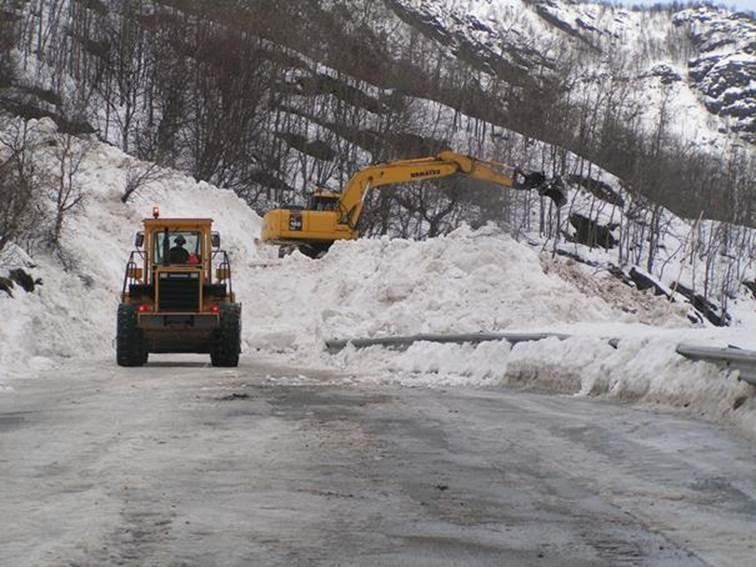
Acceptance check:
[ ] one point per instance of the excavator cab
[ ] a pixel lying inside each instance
(322, 200)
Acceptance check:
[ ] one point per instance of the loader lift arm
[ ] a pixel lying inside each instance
(313, 230)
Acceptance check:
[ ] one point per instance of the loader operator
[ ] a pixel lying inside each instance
(178, 254)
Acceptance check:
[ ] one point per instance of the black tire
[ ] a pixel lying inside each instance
(130, 350)
(226, 345)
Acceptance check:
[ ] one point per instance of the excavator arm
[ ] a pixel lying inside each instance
(445, 164)
(314, 231)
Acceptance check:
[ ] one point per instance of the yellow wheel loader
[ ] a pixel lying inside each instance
(334, 216)
(177, 295)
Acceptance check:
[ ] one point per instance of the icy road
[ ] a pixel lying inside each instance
(263, 465)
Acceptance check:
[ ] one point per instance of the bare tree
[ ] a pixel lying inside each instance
(64, 190)
(140, 174)
(21, 210)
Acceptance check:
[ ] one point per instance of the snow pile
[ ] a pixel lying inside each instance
(468, 281)
(72, 315)
(472, 281)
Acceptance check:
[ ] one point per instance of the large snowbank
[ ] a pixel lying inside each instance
(468, 281)
(484, 280)
(640, 369)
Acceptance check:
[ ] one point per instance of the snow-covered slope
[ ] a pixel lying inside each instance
(698, 62)
(71, 315)
(725, 69)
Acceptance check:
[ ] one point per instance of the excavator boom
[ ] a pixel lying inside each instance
(314, 230)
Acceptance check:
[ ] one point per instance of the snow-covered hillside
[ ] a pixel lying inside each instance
(698, 64)
(71, 315)
(725, 70)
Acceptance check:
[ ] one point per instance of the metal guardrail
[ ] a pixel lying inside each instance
(730, 357)
(403, 343)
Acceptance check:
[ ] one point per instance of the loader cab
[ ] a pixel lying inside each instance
(178, 243)
(177, 247)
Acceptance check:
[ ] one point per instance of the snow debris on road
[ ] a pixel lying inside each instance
(643, 370)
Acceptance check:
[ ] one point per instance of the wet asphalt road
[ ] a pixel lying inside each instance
(264, 465)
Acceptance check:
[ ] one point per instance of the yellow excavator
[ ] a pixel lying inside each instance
(333, 216)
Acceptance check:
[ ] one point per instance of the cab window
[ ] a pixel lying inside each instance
(319, 203)
(178, 247)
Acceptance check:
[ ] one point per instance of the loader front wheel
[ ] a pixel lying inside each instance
(130, 349)
(226, 345)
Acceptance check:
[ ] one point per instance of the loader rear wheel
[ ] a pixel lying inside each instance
(130, 348)
(226, 345)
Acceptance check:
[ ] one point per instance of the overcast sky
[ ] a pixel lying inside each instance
(739, 4)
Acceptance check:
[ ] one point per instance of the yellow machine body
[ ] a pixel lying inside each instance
(336, 215)
(175, 298)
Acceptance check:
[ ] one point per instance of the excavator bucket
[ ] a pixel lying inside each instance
(553, 189)
(529, 180)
